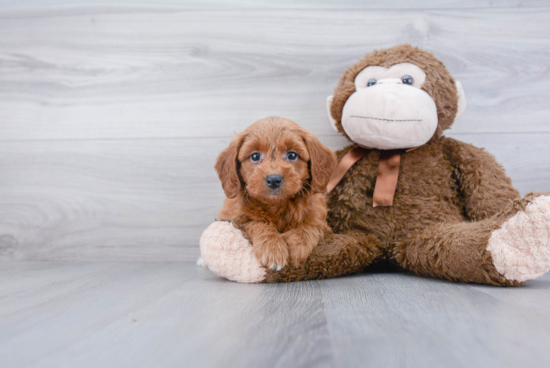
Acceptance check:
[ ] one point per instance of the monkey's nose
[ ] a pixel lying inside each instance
(274, 181)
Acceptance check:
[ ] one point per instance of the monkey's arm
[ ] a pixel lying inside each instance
(228, 254)
(483, 183)
(336, 255)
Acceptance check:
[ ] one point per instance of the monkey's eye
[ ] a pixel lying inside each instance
(407, 79)
(292, 156)
(371, 82)
(255, 157)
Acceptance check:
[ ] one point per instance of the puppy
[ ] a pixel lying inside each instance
(273, 175)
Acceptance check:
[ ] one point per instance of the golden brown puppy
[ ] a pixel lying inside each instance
(273, 175)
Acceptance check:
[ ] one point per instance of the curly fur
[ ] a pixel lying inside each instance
(284, 224)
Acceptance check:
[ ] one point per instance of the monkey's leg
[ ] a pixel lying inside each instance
(507, 249)
(229, 254)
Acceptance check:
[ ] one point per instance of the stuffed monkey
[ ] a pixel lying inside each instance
(403, 193)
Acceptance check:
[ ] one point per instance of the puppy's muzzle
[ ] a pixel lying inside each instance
(274, 181)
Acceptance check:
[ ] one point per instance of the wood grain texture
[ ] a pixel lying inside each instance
(124, 199)
(111, 115)
(397, 320)
(267, 4)
(172, 74)
(144, 314)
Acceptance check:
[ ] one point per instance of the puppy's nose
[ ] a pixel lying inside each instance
(274, 181)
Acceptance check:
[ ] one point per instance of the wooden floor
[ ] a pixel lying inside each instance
(149, 314)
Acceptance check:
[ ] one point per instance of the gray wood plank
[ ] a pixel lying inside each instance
(533, 297)
(164, 74)
(399, 320)
(205, 321)
(266, 4)
(135, 314)
(53, 316)
(151, 199)
(143, 199)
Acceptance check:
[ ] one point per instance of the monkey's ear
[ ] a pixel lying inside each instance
(227, 167)
(330, 118)
(461, 100)
(322, 162)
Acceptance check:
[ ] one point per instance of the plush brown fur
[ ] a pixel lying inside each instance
(450, 197)
(285, 223)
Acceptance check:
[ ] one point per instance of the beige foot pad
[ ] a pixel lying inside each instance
(228, 254)
(521, 247)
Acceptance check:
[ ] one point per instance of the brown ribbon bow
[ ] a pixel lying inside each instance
(386, 177)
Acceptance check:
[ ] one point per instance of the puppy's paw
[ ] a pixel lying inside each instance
(298, 248)
(272, 253)
(298, 254)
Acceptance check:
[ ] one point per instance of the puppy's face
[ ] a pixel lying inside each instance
(274, 164)
(275, 159)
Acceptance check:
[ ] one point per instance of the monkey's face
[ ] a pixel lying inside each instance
(401, 97)
(388, 110)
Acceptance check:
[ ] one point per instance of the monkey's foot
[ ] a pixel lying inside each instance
(228, 254)
(521, 247)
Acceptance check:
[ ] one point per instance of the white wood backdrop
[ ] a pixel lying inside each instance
(112, 113)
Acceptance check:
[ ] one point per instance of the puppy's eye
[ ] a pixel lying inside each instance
(371, 82)
(407, 79)
(255, 157)
(292, 156)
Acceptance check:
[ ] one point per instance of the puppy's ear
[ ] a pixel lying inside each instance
(322, 162)
(227, 166)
